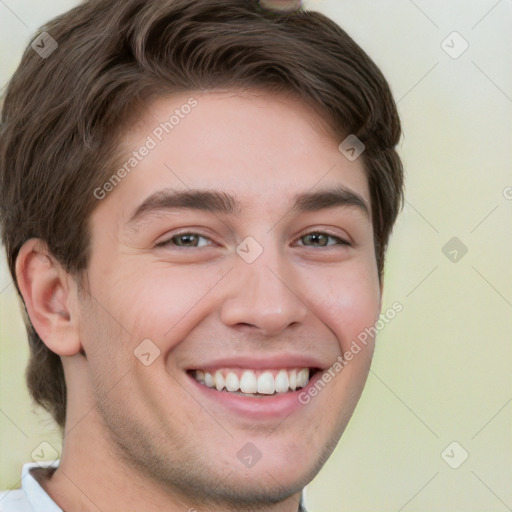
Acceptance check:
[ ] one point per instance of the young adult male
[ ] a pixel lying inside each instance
(196, 203)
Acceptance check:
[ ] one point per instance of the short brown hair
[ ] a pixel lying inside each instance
(63, 115)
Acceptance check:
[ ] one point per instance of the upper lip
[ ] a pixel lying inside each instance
(270, 362)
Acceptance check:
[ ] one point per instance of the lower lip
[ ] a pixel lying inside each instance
(268, 407)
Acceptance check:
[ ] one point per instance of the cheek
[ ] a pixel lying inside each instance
(158, 301)
(348, 302)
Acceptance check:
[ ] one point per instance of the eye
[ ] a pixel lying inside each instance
(320, 239)
(185, 240)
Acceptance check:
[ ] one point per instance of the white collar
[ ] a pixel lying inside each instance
(36, 495)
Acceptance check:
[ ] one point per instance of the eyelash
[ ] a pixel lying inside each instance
(169, 241)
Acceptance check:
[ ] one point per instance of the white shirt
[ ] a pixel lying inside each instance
(31, 497)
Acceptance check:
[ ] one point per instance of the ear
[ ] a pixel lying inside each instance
(50, 296)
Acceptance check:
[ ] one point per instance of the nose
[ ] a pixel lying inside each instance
(263, 297)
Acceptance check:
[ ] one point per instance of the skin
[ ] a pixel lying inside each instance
(144, 437)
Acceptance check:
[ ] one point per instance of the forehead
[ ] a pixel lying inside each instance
(262, 148)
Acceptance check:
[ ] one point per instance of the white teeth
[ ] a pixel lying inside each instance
(219, 381)
(302, 377)
(281, 382)
(266, 383)
(292, 378)
(248, 382)
(232, 382)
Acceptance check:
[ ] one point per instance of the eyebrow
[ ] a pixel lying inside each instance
(224, 203)
(206, 200)
(330, 198)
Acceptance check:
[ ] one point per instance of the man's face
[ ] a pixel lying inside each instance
(183, 274)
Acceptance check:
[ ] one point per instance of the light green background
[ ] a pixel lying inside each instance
(442, 368)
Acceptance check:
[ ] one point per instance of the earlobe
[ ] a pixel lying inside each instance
(49, 293)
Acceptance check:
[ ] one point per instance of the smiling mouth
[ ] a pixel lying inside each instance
(257, 383)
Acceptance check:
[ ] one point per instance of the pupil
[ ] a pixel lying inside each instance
(318, 239)
(186, 239)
